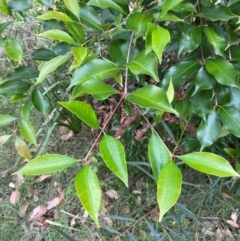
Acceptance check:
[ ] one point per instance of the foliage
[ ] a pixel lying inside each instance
(148, 77)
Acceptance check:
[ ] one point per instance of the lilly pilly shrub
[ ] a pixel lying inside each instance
(135, 70)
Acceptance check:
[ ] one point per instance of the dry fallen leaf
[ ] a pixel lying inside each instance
(67, 136)
(43, 177)
(234, 217)
(19, 180)
(23, 209)
(14, 198)
(38, 212)
(56, 201)
(232, 223)
(112, 194)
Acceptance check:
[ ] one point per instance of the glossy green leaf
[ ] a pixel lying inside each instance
(170, 92)
(224, 72)
(4, 139)
(83, 111)
(169, 17)
(45, 164)
(23, 72)
(208, 131)
(113, 154)
(98, 69)
(22, 148)
(6, 119)
(14, 87)
(184, 108)
(168, 187)
(230, 117)
(77, 31)
(203, 81)
(80, 54)
(118, 50)
(145, 64)
(230, 151)
(180, 73)
(58, 35)
(55, 15)
(139, 22)
(51, 66)
(14, 49)
(89, 192)
(168, 5)
(20, 5)
(73, 6)
(232, 37)
(97, 88)
(217, 13)
(216, 40)
(188, 43)
(3, 26)
(39, 102)
(26, 110)
(89, 17)
(158, 153)
(202, 103)
(160, 38)
(235, 100)
(4, 8)
(106, 4)
(151, 96)
(27, 131)
(43, 54)
(209, 163)
(17, 98)
(184, 6)
(148, 36)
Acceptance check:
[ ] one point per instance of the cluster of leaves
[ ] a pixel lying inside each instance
(151, 62)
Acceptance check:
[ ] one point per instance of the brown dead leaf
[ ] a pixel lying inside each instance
(126, 210)
(43, 177)
(23, 209)
(112, 194)
(234, 217)
(19, 180)
(14, 198)
(67, 136)
(232, 223)
(56, 201)
(38, 212)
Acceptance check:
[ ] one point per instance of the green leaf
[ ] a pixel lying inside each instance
(184, 6)
(16, 98)
(232, 37)
(4, 8)
(22, 148)
(170, 92)
(6, 119)
(26, 110)
(180, 73)
(55, 15)
(20, 5)
(106, 4)
(73, 6)
(217, 13)
(58, 35)
(184, 107)
(139, 22)
(203, 81)
(168, 187)
(168, 5)
(3, 26)
(158, 153)
(160, 38)
(224, 72)
(45, 164)
(209, 163)
(39, 102)
(83, 111)
(169, 17)
(209, 130)
(89, 192)
(14, 87)
(98, 69)
(235, 100)
(14, 50)
(89, 17)
(97, 88)
(43, 54)
(4, 139)
(145, 64)
(23, 72)
(113, 154)
(77, 31)
(148, 36)
(51, 66)
(118, 50)
(27, 132)
(80, 54)
(230, 117)
(151, 96)
(216, 40)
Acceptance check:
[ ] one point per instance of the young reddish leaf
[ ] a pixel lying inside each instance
(47, 164)
(22, 148)
(27, 131)
(113, 155)
(83, 111)
(168, 187)
(89, 192)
